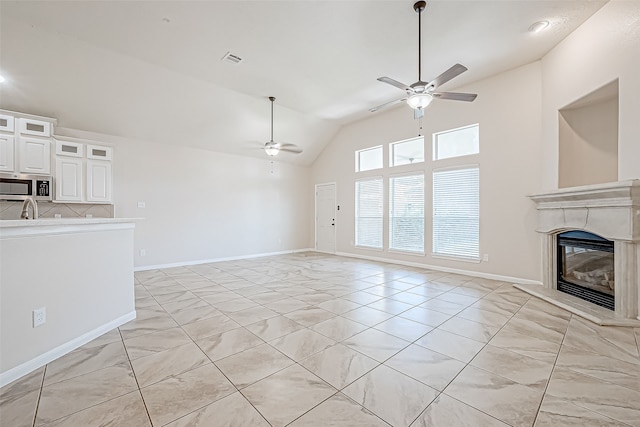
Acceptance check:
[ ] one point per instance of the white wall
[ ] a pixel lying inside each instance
(606, 47)
(508, 111)
(201, 205)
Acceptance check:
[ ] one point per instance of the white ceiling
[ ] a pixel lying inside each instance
(320, 59)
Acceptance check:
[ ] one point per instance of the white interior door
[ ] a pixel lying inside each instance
(326, 218)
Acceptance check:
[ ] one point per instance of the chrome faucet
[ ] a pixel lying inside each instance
(25, 208)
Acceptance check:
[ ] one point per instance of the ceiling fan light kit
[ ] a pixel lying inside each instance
(271, 150)
(420, 94)
(419, 100)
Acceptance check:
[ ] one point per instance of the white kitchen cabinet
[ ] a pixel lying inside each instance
(25, 143)
(6, 123)
(99, 152)
(7, 150)
(99, 180)
(69, 148)
(35, 155)
(29, 126)
(68, 179)
(83, 171)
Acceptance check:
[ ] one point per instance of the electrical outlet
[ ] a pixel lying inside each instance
(39, 316)
(143, 252)
(142, 205)
(485, 258)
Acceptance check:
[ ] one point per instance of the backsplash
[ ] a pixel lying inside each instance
(12, 210)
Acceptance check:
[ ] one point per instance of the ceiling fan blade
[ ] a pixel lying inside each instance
(386, 104)
(292, 148)
(452, 72)
(395, 83)
(469, 97)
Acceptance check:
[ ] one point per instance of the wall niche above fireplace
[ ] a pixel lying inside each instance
(588, 139)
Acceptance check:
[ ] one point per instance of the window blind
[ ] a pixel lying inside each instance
(456, 212)
(406, 213)
(369, 210)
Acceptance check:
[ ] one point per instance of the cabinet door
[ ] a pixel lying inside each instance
(7, 159)
(68, 179)
(6, 123)
(99, 152)
(69, 148)
(98, 181)
(35, 155)
(34, 127)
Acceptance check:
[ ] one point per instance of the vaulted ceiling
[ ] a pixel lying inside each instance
(153, 70)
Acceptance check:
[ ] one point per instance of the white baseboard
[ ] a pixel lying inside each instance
(207, 261)
(51, 355)
(445, 269)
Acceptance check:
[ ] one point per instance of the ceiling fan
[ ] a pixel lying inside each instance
(420, 94)
(273, 148)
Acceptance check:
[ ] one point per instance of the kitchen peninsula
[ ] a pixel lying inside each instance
(79, 270)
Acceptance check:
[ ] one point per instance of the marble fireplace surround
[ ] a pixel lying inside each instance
(609, 210)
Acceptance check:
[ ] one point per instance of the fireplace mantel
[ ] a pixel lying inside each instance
(609, 210)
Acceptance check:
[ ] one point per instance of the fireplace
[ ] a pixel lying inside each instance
(591, 250)
(586, 267)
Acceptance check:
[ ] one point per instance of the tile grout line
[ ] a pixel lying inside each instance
(135, 377)
(553, 369)
(35, 415)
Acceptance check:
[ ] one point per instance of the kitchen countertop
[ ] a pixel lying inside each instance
(13, 228)
(6, 223)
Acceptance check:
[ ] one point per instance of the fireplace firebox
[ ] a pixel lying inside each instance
(586, 267)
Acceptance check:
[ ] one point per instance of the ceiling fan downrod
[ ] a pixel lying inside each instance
(419, 6)
(272, 99)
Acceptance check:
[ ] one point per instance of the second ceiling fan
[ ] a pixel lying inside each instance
(420, 94)
(271, 147)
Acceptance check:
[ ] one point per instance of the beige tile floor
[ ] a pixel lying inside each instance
(316, 340)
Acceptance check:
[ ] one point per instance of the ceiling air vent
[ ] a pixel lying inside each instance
(231, 58)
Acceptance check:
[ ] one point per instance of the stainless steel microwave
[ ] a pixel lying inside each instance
(20, 186)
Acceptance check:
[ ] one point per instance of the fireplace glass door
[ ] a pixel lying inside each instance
(586, 267)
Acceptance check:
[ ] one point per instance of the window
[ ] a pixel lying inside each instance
(406, 213)
(456, 142)
(369, 159)
(407, 152)
(456, 212)
(369, 213)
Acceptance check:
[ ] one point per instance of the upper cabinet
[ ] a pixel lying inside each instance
(25, 143)
(83, 171)
(35, 155)
(7, 157)
(34, 127)
(7, 123)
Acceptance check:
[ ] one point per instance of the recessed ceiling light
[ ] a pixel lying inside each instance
(536, 27)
